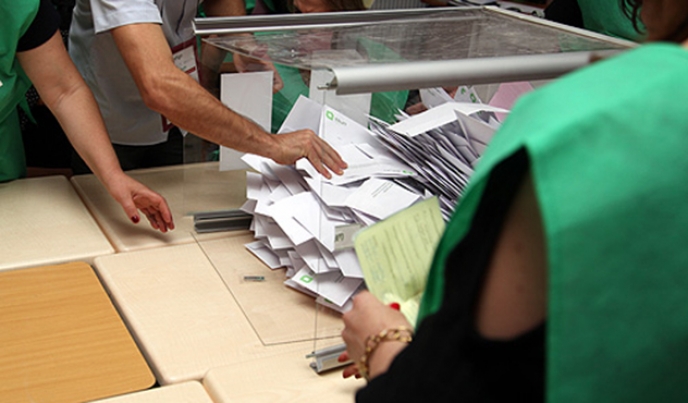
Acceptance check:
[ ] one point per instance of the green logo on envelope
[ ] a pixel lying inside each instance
(306, 279)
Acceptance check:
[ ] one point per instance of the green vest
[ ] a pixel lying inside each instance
(17, 17)
(606, 17)
(607, 154)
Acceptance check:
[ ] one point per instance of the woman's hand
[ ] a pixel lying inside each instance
(133, 196)
(369, 317)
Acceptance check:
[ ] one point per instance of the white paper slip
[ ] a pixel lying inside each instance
(249, 206)
(311, 255)
(467, 94)
(332, 286)
(381, 198)
(260, 164)
(265, 254)
(290, 178)
(338, 130)
(365, 162)
(348, 263)
(254, 183)
(247, 94)
(439, 116)
(305, 114)
(433, 97)
(283, 213)
(341, 309)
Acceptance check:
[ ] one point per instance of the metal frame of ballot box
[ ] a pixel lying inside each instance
(437, 46)
(418, 48)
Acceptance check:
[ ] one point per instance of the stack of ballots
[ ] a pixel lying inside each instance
(306, 222)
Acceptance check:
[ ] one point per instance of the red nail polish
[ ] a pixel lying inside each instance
(135, 219)
(395, 306)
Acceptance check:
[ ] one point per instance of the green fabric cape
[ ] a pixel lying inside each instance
(607, 17)
(16, 19)
(607, 148)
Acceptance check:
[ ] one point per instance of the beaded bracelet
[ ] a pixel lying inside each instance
(401, 333)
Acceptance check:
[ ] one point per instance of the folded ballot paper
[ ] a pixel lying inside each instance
(307, 223)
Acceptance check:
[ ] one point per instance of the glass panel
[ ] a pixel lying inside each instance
(444, 35)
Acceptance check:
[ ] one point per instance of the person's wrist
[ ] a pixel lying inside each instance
(384, 346)
(382, 358)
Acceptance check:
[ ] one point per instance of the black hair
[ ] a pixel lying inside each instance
(632, 10)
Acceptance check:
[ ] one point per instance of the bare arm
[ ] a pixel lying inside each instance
(70, 100)
(169, 91)
(514, 295)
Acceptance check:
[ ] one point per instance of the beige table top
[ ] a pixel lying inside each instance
(184, 318)
(188, 189)
(61, 339)
(278, 313)
(43, 221)
(185, 392)
(278, 379)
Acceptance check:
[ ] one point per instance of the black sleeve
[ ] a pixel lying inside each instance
(448, 361)
(42, 28)
(565, 12)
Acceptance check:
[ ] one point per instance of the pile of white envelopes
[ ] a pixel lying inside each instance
(306, 222)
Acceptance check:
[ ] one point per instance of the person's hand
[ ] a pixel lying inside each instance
(293, 146)
(133, 196)
(350, 370)
(419, 107)
(369, 317)
(245, 64)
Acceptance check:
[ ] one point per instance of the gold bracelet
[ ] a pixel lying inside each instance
(401, 333)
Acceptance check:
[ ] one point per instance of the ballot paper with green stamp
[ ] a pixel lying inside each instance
(395, 254)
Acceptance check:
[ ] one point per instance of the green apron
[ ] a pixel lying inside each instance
(607, 148)
(17, 17)
(606, 17)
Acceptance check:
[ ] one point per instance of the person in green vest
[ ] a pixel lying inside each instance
(384, 105)
(562, 275)
(31, 50)
(602, 16)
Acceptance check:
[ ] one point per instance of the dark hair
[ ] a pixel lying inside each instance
(632, 10)
(676, 33)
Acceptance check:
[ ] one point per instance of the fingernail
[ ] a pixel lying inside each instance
(395, 306)
(135, 219)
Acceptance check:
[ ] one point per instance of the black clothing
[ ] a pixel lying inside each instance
(42, 28)
(565, 12)
(448, 361)
(170, 152)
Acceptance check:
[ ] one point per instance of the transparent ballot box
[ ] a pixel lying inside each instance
(366, 70)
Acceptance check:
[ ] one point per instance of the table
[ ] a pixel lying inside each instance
(43, 222)
(61, 339)
(187, 320)
(185, 392)
(278, 379)
(277, 313)
(188, 189)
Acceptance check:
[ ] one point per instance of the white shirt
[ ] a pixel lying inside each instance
(95, 54)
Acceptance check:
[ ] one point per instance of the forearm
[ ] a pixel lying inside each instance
(78, 114)
(190, 107)
(68, 97)
(174, 94)
(383, 356)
